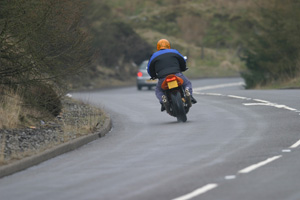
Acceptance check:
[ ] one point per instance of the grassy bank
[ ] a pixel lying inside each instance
(77, 119)
(206, 62)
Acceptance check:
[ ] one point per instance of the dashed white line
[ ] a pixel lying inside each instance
(297, 144)
(286, 150)
(252, 167)
(258, 165)
(230, 177)
(198, 192)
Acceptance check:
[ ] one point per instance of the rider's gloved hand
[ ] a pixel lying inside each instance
(185, 69)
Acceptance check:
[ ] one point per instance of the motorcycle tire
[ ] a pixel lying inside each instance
(178, 108)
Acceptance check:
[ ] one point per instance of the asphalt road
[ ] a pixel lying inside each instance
(237, 144)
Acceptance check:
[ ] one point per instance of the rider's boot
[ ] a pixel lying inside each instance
(193, 100)
(162, 108)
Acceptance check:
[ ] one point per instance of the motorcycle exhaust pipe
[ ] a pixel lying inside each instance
(188, 97)
(164, 99)
(166, 104)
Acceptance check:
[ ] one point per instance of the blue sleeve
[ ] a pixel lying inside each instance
(148, 66)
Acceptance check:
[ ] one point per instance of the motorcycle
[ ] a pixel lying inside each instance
(176, 99)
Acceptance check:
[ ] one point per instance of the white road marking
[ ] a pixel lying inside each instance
(218, 86)
(230, 177)
(198, 192)
(258, 165)
(297, 144)
(260, 102)
(284, 107)
(287, 108)
(211, 94)
(267, 103)
(263, 101)
(252, 167)
(255, 104)
(238, 97)
(286, 150)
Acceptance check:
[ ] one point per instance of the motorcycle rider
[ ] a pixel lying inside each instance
(164, 62)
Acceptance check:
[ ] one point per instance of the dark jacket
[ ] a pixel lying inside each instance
(165, 62)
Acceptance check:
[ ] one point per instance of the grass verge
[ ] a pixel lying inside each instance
(76, 120)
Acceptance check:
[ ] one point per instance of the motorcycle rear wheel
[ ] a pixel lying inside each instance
(178, 107)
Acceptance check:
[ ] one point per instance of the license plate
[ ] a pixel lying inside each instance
(172, 84)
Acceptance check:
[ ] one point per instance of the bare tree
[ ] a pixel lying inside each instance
(41, 43)
(41, 40)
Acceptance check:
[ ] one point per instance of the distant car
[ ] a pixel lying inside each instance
(143, 78)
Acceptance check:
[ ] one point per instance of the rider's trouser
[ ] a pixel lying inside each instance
(159, 91)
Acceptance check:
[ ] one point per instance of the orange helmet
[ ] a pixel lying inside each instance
(163, 44)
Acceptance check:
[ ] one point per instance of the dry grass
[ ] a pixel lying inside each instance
(216, 63)
(10, 109)
(82, 127)
(13, 113)
(81, 121)
(282, 84)
(77, 119)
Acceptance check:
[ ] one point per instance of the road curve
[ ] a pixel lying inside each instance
(237, 144)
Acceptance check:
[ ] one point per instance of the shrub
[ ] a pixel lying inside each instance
(272, 50)
(118, 43)
(44, 98)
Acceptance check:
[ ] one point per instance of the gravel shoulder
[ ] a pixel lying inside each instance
(78, 124)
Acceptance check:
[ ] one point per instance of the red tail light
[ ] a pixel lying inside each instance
(139, 74)
(171, 79)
